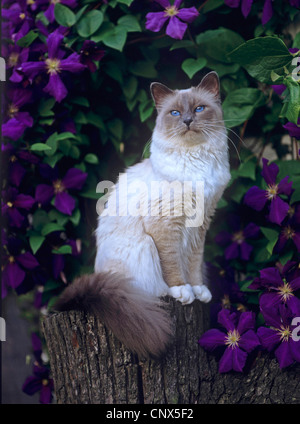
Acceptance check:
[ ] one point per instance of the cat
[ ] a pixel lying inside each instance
(141, 258)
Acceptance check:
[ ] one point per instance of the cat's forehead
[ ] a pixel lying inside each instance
(188, 98)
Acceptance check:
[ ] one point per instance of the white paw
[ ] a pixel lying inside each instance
(182, 293)
(202, 293)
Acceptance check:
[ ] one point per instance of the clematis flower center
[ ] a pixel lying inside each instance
(22, 16)
(53, 66)
(226, 302)
(285, 291)
(12, 110)
(30, 2)
(13, 59)
(11, 259)
(232, 339)
(9, 204)
(58, 186)
(45, 382)
(171, 11)
(272, 191)
(288, 232)
(284, 333)
(238, 237)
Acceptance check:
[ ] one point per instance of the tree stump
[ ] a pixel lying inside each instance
(90, 366)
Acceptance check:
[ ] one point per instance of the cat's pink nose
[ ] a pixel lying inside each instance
(188, 121)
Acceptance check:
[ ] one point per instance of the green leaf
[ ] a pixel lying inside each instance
(45, 107)
(212, 5)
(27, 39)
(111, 35)
(217, 43)
(272, 237)
(63, 15)
(52, 143)
(260, 56)
(130, 87)
(293, 109)
(127, 2)
(51, 227)
(115, 127)
(36, 242)
(247, 170)
(143, 68)
(183, 44)
(129, 23)
(146, 110)
(192, 66)
(63, 250)
(89, 23)
(91, 158)
(240, 104)
(40, 147)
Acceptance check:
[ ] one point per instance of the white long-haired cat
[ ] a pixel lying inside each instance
(142, 255)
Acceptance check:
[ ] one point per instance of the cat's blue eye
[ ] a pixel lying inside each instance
(199, 108)
(175, 112)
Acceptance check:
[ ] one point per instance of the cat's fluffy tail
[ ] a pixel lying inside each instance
(135, 317)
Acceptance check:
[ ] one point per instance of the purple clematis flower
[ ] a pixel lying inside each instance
(175, 28)
(16, 265)
(12, 202)
(12, 157)
(49, 13)
(74, 179)
(17, 121)
(280, 337)
(239, 340)
(54, 65)
(19, 19)
(237, 247)
(89, 53)
(280, 290)
(257, 198)
(293, 129)
(15, 57)
(39, 382)
(290, 230)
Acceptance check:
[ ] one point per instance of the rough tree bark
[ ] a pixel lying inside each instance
(89, 365)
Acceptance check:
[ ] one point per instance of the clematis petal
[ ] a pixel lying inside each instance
(44, 193)
(164, 3)
(284, 186)
(13, 129)
(251, 230)
(255, 198)
(270, 277)
(27, 260)
(13, 275)
(56, 88)
(226, 362)
(278, 210)
(232, 3)
(176, 28)
(24, 201)
(246, 250)
(268, 338)
(284, 355)
(58, 264)
(232, 251)
(227, 319)
(293, 129)
(249, 341)
(246, 321)
(72, 64)
(211, 339)
(188, 14)
(32, 69)
(17, 172)
(64, 203)
(15, 217)
(238, 359)
(155, 21)
(269, 172)
(54, 42)
(74, 178)
(267, 12)
(246, 7)
(296, 240)
(46, 394)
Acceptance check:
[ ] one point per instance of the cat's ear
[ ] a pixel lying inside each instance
(211, 83)
(159, 93)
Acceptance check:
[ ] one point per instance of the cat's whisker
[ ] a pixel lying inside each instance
(229, 129)
(220, 132)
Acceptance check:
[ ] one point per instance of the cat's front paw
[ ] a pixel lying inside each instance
(182, 293)
(202, 293)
